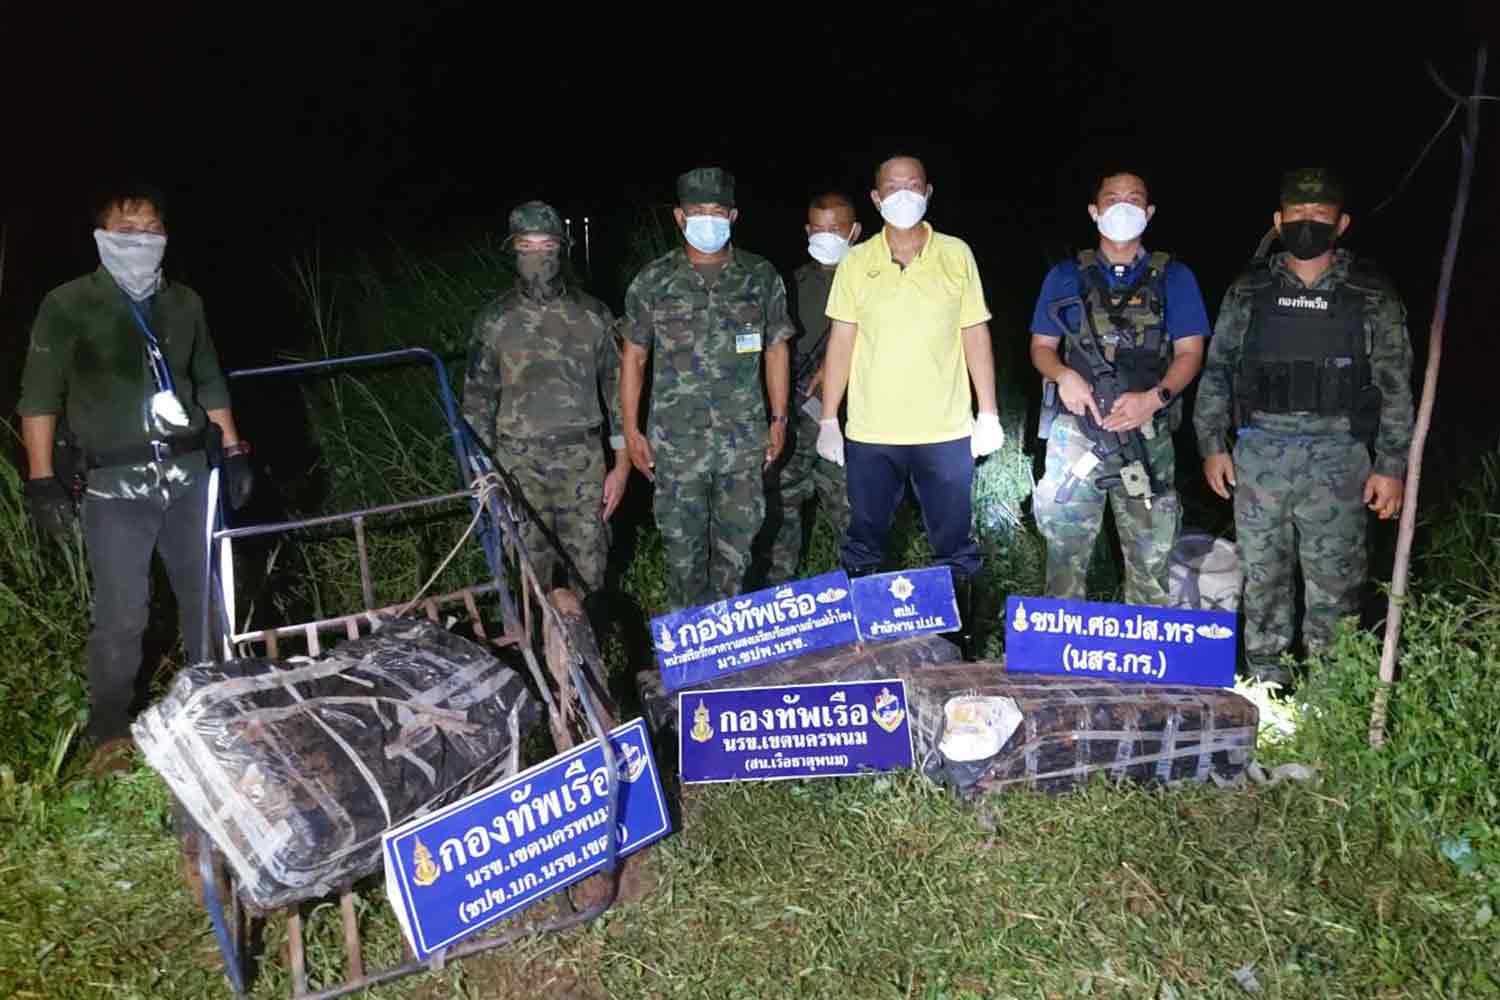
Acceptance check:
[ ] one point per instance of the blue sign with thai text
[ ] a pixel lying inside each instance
(465, 866)
(1119, 642)
(793, 731)
(753, 629)
(911, 602)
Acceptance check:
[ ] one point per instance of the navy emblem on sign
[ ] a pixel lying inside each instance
(906, 603)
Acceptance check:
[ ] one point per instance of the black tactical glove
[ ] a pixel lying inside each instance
(52, 509)
(239, 477)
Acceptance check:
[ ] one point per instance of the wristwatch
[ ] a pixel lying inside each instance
(1164, 394)
(778, 418)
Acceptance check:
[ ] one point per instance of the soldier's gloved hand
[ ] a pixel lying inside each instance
(831, 440)
(988, 435)
(239, 476)
(52, 509)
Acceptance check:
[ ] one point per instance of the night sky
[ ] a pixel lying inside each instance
(354, 128)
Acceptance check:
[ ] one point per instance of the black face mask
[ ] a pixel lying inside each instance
(1308, 238)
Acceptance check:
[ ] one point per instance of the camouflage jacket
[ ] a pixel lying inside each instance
(537, 369)
(708, 345)
(811, 283)
(1390, 365)
(87, 362)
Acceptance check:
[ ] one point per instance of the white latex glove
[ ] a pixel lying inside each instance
(167, 413)
(988, 435)
(831, 441)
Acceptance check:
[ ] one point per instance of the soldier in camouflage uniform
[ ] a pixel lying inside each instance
(1310, 363)
(125, 356)
(541, 386)
(712, 313)
(1141, 316)
(798, 476)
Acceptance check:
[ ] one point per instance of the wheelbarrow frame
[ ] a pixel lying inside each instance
(499, 511)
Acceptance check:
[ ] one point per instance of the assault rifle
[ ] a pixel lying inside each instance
(1108, 384)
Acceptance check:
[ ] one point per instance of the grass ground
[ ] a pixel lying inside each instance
(1378, 880)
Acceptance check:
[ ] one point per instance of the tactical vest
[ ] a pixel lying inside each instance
(1129, 322)
(1306, 350)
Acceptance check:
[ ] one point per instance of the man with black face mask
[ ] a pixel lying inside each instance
(541, 390)
(1310, 363)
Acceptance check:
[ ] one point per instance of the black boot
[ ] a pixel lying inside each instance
(964, 588)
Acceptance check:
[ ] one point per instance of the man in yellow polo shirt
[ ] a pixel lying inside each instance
(909, 331)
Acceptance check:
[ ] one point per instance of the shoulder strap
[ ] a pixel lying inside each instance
(1367, 276)
(1258, 275)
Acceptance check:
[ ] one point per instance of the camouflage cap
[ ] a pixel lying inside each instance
(706, 184)
(536, 217)
(1311, 186)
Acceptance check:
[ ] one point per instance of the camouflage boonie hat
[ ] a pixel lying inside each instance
(1311, 186)
(536, 217)
(706, 184)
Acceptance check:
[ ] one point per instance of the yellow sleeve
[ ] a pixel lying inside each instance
(841, 296)
(971, 307)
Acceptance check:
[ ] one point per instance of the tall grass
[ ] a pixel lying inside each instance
(44, 621)
(379, 436)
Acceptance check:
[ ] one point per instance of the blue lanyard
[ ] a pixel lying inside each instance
(159, 367)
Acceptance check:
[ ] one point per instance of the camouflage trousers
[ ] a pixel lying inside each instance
(1071, 527)
(1298, 500)
(563, 485)
(799, 476)
(710, 504)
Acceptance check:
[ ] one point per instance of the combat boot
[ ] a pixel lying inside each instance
(964, 588)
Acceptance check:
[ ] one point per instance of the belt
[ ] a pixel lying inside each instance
(579, 435)
(154, 451)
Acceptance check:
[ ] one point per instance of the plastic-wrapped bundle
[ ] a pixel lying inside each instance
(1204, 572)
(1070, 727)
(295, 767)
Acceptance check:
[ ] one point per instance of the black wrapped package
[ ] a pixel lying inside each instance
(1068, 729)
(295, 767)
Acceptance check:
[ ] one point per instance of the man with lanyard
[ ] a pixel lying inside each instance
(711, 312)
(1311, 363)
(126, 356)
(1134, 322)
(541, 387)
(799, 477)
(910, 330)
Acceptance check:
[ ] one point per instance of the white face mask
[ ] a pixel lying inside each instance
(827, 248)
(133, 260)
(1122, 222)
(903, 209)
(707, 233)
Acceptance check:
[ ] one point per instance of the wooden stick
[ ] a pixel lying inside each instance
(1402, 567)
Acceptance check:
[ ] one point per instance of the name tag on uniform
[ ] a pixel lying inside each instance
(746, 343)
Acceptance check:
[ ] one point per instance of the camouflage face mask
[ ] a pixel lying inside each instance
(540, 273)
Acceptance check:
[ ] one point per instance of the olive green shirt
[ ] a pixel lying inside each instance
(88, 362)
